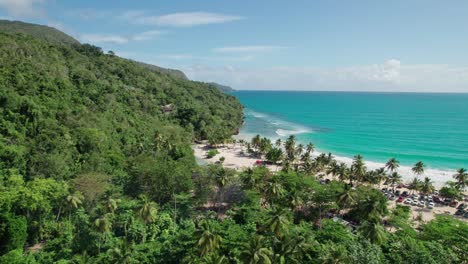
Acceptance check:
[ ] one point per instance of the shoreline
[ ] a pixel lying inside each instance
(235, 159)
(439, 177)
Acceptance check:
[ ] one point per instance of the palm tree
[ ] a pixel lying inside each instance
(415, 185)
(208, 238)
(274, 190)
(103, 225)
(348, 197)
(461, 179)
(310, 148)
(278, 142)
(74, 201)
(392, 164)
(373, 231)
(256, 253)
(290, 147)
(358, 169)
(343, 172)
(111, 204)
(394, 179)
(334, 169)
(278, 223)
(418, 168)
(427, 186)
(299, 150)
(380, 175)
(291, 249)
(148, 210)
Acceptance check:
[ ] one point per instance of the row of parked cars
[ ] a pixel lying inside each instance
(417, 200)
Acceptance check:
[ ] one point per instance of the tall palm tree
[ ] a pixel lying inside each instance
(103, 225)
(347, 198)
(310, 148)
(373, 231)
(274, 190)
(290, 147)
(461, 179)
(358, 169)
(73, 202)
(278, 223)
(278, 143)
(427, 187)
(255, 252)
(394, 179)
(299, 150)
(334, 169)
(418, 168)
(392, 165)
(380, 175)
(343, 172)
(208, 238)
(415, 185)
(148, 210)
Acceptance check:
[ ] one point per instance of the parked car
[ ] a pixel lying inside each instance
(397, 192)
(465, 215)
(405, 194)
(460, 212)
(430, 205)
(461, 206)
(391, 197)
(437, 199)
(447, 201)
(453, 203)
(421, 204)
(415, 202)
(408, 201)
(436, 192)
(400, 199)
(414, 196)
(384, 190)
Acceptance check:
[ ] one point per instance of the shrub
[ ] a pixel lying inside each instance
(211, 153)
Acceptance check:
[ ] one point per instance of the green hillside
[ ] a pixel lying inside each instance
(49, 34)
(62, 105)
(55, 36)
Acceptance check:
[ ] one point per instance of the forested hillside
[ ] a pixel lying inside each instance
(50, 34)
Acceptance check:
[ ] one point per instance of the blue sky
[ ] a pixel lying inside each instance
(289, 45)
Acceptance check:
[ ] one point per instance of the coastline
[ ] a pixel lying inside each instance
(236, 158)
(438, 176)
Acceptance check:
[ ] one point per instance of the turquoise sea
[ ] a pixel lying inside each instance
(411, 127)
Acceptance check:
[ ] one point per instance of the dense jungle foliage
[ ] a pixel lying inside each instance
(96, 167)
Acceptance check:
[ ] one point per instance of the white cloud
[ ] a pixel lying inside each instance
(179, 19)
(21, 8)
(100, 38)
(147, 35)
(120, 39)
(391, 75)
(246, 49)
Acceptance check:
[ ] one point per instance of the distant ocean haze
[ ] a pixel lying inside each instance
(411, 127)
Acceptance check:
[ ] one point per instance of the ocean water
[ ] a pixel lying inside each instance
(411, 127)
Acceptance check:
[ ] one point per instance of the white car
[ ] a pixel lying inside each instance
(430, 205)
(415, 202)
(421, 204)
(408, 201)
